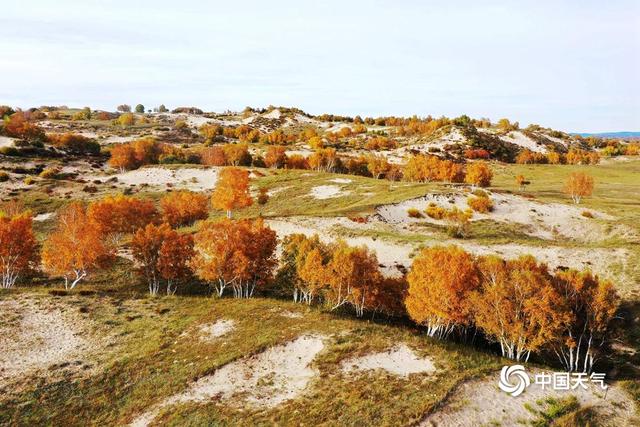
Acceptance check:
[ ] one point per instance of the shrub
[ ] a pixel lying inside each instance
(587, 214)
(480, 204)
(414, 213)
(4, 177)
(50, 173)
(74, 143)
(458, 222)
(126, 119)
(263, 196)
(29, 180)
(434, 211)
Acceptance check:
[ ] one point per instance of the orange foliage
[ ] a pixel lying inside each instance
(17, 126)
(75, 247)
(480, 204)
(440, 281)
(240, 254)
(18, 247)
(232, 190)
(578, 185)
(162, 253)
(138, 153)
(423, 168)
(518, 306)
(325, 159)
(593, 304)
(184, 207)
(352, 275)
(237, 154)
(121, 214)
(213, 156)
(297, 161)
(276, 157)
(378, 166)
(479, 173)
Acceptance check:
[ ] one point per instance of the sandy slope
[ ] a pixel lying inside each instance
(33, 337)
(481, 402)
(276, 375)
(394, 256)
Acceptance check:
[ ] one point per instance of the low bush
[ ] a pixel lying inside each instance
(414, 213)
(480, 204)
(434, 211)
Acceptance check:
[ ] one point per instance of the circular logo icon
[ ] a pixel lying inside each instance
(517, 374)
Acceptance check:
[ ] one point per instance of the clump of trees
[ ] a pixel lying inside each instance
(337, 275)
(440, 282)
(479, 174)
(135, 154)
(423, 168)
(181, 208)
(162, 254)
(517, 303)
(235, 254)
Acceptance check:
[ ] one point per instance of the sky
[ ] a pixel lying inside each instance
(569, 65)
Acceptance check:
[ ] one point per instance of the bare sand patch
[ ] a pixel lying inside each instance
(44, 216)
(342, 180)
(265, 380)
(522, 140)
(544, 220)
(34, 337)
(291, 314)
(322, 192)
(195, 179)
(481, 402)
(400, 360)
(5, 141)
(211, 331)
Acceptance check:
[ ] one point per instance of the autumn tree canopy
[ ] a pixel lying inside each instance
(75, 247)
(237, 254)
(162, 253)
(18, 247)
(440, 282)
(352, 275)
(518, 306)
(184, 207)
(120, 214)
(592, 305)
(579, 185)
(479, 174)
(232, 190)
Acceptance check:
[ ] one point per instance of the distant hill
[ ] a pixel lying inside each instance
(621, 135)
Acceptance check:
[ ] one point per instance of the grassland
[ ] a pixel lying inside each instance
(152, 352)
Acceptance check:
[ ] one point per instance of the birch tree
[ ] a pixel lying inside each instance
(75, 247)
(18, 247)
(592, 304)
(440, 282)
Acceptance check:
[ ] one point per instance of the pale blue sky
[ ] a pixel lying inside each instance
(571, 65)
